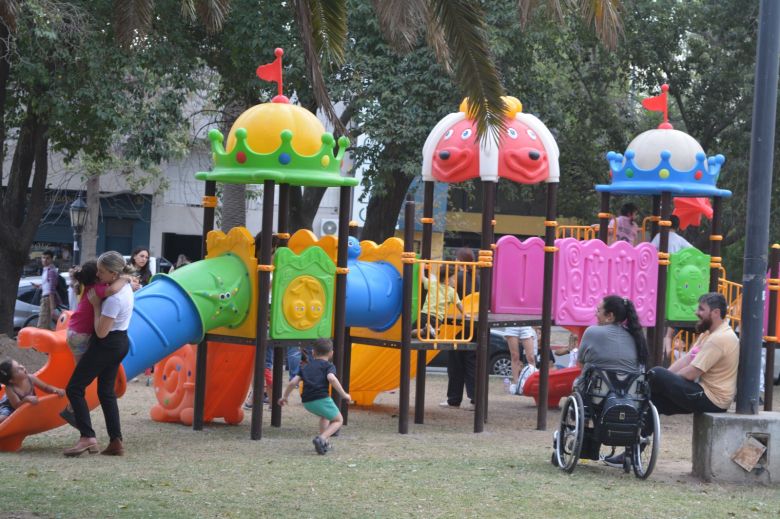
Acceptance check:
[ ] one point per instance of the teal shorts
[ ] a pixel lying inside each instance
(324, 407)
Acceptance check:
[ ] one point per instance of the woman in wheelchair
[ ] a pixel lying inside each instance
(610, 404)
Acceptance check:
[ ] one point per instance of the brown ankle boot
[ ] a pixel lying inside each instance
(114, 448)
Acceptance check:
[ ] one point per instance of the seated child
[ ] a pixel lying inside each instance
(20, 388)
(316, 376)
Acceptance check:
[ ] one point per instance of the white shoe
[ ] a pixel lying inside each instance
(512, 389)
(525, 374)
(447, 404)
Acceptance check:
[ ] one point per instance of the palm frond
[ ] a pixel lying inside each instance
(464, 30)
(312, 59)
(605, 17)
(329, 27)
(132, 18)
(401, 21)
(188, 10)
(9, 11)
(434, 37)
(524, 8)
(212, 14)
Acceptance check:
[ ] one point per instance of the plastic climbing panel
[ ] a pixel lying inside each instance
(518, 279)
(586, 271)
(303, 287)
(688, 279)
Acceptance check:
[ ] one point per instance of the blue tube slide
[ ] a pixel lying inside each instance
(374, 291)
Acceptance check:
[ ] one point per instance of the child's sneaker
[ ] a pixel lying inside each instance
(525, 374)
(512, 389)
(320, 445)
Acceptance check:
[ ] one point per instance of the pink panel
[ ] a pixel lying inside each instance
(518, 275)
(766, 303)
(586, 271)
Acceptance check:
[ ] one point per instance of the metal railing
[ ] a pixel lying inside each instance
(439, 319)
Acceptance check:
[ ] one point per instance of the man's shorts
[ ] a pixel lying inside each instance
(324, 408)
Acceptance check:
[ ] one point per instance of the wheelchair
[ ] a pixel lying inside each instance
(609, 409)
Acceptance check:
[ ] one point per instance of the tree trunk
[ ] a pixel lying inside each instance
(89, 236)
(233, 206)
(20, 215)
(304, 203)
(383, 209)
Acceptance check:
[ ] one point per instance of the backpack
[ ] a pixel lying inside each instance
(621, 409)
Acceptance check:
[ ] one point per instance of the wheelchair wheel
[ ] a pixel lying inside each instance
(645, 453)
(570, 433)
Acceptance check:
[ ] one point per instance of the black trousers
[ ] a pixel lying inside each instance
(461, 367)
(673, 394)
(101, 361)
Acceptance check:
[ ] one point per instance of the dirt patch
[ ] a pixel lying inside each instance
(33, 360)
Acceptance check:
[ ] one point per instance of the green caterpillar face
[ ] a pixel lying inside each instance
(691, 284)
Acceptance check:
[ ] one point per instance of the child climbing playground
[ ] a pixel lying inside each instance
(317, 375)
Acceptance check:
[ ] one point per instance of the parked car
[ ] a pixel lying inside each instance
(28, 300)
(499, 361)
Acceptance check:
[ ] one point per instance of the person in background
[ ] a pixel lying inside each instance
(180, 262)
(139, 260)
(627, 229)
(461, 365)
(50, 299)
(676, 242)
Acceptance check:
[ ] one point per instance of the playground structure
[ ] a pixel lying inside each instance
(206, 331)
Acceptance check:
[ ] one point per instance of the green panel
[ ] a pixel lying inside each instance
(303, 288)
(688, 279)
(219, 287)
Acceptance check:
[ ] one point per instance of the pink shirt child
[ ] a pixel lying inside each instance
(83, 319)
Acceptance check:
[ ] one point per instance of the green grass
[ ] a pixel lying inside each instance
(440, 469)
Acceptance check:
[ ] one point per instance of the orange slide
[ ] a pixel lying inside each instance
(229, 370)
(32, 419)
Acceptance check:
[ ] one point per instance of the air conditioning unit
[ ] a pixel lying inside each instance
(329, 226)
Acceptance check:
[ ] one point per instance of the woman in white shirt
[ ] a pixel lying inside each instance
(108, 346)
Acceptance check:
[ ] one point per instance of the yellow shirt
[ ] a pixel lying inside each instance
(718, 358)
(438, 298)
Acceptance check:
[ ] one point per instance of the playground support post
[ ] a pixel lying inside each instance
(758, 206)
(485, 280)
(340, 294)
(202, 353)
(654, 228)
(547, 295)
(715, 239)
(406, 317)
(771, 327)
(282, 226)
(263, 288)
(427, 242)
(345, 381)
(604, 218)
(656, 354)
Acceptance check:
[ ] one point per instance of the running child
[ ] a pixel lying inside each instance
(317, 375)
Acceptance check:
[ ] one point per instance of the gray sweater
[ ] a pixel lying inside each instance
(608, 346)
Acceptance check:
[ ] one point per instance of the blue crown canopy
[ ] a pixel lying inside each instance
(664, 160)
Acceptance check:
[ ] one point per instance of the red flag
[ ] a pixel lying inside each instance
(272, 71)
(654, 104)
(659, 104)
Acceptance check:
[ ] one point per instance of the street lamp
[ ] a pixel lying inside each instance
(78, 219)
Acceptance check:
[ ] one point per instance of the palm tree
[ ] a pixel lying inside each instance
(454, 29)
